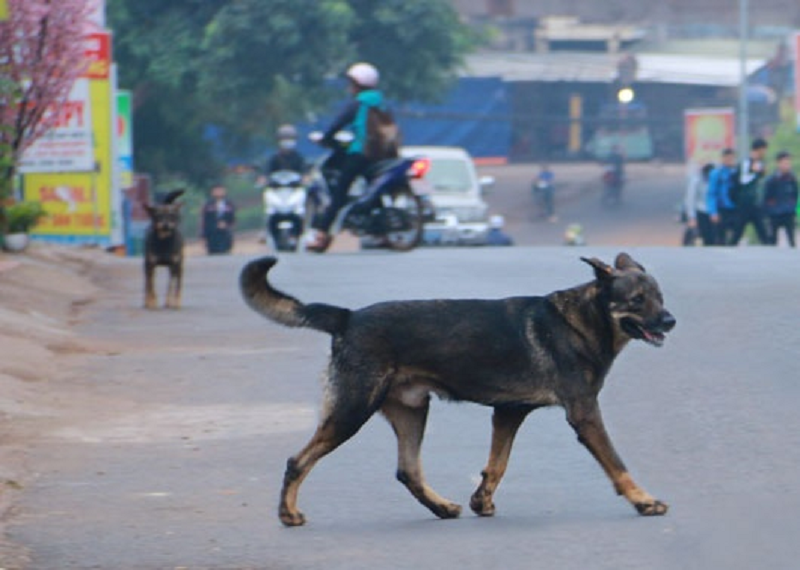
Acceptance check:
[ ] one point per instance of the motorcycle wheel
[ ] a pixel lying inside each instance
(409, 205)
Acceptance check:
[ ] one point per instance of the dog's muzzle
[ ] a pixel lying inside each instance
(653, 332)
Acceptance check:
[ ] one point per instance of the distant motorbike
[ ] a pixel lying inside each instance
(285, 198)
(612, 187)
(384, 210)
(543, 197)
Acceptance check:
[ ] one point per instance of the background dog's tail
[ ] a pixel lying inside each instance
(282, 308)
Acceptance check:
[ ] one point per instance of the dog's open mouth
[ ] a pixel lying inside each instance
(640, 332)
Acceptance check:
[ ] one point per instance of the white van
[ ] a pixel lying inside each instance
(453, 186)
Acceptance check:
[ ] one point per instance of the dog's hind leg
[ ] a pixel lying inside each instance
(339, 424)
(586, 420)
(505, 423)
(408, 424)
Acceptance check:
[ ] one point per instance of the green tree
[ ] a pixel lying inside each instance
(247, 65)
(787, 135)
(418, 45)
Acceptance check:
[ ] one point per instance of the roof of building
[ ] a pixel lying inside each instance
(602, 67)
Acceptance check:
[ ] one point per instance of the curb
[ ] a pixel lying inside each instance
(8, 265)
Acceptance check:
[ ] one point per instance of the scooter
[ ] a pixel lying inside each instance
(384, 210)
(543, 197)
(612, 187)
(285, 209)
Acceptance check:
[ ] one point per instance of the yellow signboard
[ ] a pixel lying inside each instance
(3, 10)
(79, 204)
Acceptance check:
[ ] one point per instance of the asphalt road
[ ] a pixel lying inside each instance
(646, 217)
(193, 414)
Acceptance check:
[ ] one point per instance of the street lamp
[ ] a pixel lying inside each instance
(625, 95)
(744, 131)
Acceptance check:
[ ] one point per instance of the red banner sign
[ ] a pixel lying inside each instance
(98, 54)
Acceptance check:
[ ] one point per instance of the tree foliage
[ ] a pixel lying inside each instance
(417, 45)
(248, 65)
(41, 55)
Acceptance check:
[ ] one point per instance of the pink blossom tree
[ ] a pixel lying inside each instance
(41, 55)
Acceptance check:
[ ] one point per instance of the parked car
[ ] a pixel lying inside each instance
(456, 191)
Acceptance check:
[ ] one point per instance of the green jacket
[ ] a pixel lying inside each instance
(354, 117)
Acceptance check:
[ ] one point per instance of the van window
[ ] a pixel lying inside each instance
(450, 176)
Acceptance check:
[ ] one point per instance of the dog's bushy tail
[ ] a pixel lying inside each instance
(282, 308)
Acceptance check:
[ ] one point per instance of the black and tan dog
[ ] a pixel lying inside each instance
(516, 355)
(163, 245)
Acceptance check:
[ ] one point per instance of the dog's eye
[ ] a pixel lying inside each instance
(638, 299)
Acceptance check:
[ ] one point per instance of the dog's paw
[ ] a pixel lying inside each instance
(151, 305)
(447, 510)
(295, 518)
(653, 509)
(481, 505)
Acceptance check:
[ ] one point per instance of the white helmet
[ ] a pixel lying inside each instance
(287, 132)
(364, 74)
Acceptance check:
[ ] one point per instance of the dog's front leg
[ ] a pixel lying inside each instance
(174, 288)
(505, 423)
(150, 300)
(586, 420)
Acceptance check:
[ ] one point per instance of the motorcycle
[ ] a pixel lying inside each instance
(612, 187)
(384, 210)
(543, 197)
(285, 209)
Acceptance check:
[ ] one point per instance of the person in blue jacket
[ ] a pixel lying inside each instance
(721, 209)
(362, 83)
(780, 199)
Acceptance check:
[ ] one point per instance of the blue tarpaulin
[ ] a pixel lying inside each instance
(475, 114)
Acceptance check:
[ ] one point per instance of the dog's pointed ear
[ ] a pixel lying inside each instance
(625, 261)
(601, 270)
(149, 208)
(173, 195)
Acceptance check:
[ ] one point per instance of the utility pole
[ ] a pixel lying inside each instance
(744, 119)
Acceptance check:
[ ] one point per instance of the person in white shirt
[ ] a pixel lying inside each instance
(695, 205)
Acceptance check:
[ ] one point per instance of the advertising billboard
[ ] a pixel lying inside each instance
(81, 205)
(706, 133)
(68, 145)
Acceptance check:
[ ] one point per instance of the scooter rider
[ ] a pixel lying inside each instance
(362, 84)
(287, 157)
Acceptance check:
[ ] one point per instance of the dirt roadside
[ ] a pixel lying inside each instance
(45, 294)
(42, 294)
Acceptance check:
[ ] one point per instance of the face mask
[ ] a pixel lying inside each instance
(287, 144)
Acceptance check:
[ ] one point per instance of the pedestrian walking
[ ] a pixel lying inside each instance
(695, 205)
(217, 220)
(780, 199)
(544, 192)
(747, 194)
(719, 206)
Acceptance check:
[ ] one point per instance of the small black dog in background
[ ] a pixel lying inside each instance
(164, 246)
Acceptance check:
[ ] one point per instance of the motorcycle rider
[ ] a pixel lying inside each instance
(362, 84)
(614, 177)
(287, 157)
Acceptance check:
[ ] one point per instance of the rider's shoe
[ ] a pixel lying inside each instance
(320, 243)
